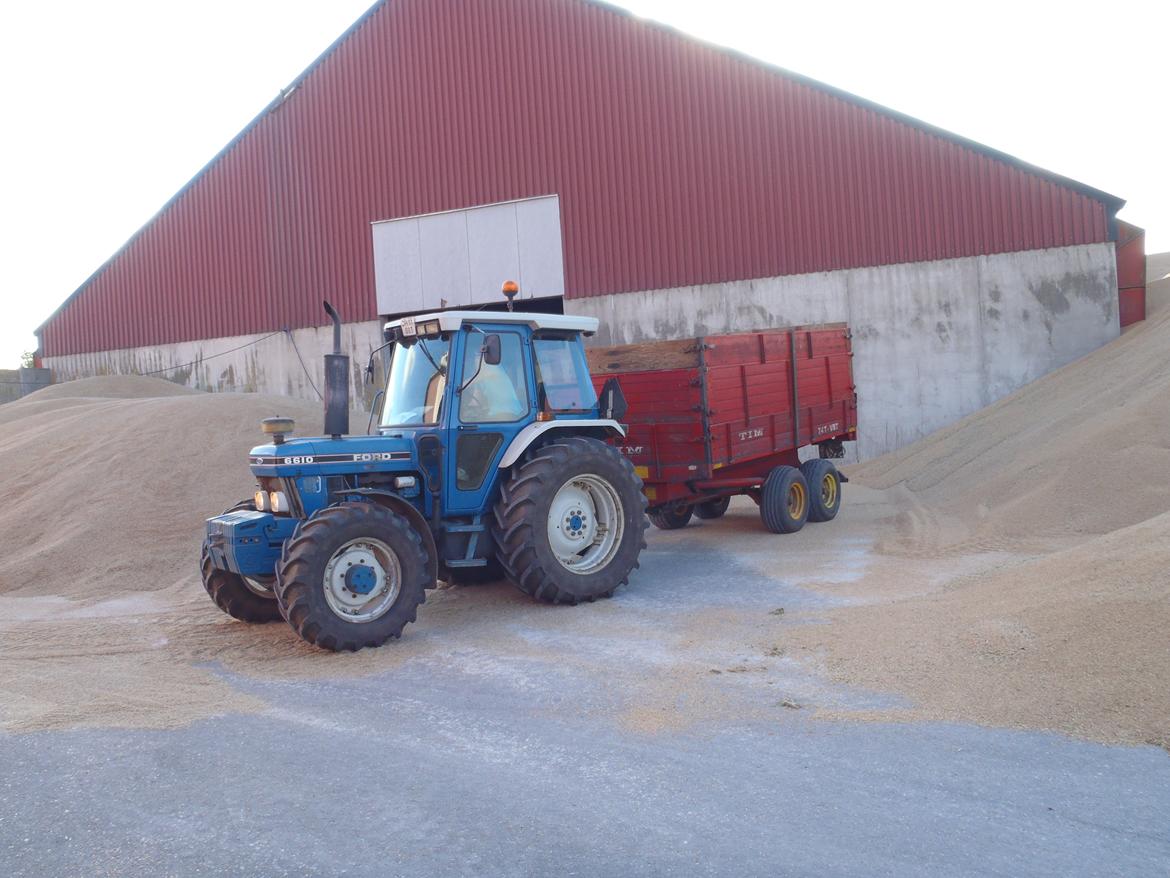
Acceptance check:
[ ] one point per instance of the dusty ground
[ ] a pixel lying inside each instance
(1005, 573)
(684, 727)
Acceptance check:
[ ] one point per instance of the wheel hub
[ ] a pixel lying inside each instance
(585, 523)
(362, 580)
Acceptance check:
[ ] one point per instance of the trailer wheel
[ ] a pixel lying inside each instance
(352, 576)
(571, 521)
(824, 488)
(784, 500)
(671, 517)
(712, 508)
(241, 597)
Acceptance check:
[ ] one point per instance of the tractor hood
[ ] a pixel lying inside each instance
(295, 457)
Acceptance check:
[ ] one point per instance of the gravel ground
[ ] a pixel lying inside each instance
(665, 732)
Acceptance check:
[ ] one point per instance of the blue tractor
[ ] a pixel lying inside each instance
(491, 459)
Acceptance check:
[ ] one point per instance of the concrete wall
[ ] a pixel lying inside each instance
(9, 385)
(15, 383)
(933, 341)
(245, 363)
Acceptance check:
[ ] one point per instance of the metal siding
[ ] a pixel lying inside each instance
(676, 164)
(1131, 273)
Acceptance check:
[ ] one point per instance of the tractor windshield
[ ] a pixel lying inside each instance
(418, 378)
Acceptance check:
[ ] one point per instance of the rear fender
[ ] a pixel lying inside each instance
(407, 510)
(602, 427)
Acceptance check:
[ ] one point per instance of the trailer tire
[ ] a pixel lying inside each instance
(824, 489)
(713, 509)
(784, 500)
(671, 517)
(314, 590)
(249, 600)
(576, 482)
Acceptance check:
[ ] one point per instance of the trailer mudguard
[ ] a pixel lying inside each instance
(537, 429)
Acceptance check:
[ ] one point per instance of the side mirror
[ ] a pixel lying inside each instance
(612, 402)
(491, 350)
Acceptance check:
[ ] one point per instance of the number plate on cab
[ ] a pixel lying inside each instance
(408, 326)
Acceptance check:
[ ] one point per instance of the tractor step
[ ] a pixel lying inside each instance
(464, 528)
(469, 562)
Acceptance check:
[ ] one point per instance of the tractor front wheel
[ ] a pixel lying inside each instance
(245, 598)
(571, 521)
(352, 576)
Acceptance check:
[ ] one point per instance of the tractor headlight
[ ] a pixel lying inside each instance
(279, 501)
(261, 501)
(405, 482)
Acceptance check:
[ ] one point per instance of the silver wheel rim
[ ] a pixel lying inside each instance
(350, 570)
(585, 524)
(258, 588)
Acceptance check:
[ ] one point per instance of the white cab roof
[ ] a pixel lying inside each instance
(449, 321)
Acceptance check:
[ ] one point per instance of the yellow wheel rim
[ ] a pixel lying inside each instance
(829, 491)
(797, 501)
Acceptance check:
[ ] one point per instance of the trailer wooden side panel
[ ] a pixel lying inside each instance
(730, 407)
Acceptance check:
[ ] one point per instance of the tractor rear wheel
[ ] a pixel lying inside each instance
(671, 517)
(249, 599)
(712, 508)
(824, 488)
(571, 521)
(352, 576)
(784, 500)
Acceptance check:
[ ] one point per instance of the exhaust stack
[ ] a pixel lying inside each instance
(336, 382)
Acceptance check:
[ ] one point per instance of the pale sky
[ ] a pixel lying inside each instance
(110, 107)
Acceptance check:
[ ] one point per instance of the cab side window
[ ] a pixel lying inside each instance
(563, 373)
(497, 394)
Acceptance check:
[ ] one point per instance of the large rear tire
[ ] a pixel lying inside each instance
(571, 521)
(352, 576)
(784, 500)
(245, 598)
(824, 489)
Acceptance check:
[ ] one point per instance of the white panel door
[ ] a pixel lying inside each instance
(460, 257)
(538, 225)
(398, 267)
(445, 272)
(494, 252)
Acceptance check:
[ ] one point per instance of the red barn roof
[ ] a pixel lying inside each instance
(676, 163)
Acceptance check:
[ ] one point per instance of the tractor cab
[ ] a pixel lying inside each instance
(490, 383)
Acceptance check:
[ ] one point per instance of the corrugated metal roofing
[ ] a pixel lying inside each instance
(676, 163)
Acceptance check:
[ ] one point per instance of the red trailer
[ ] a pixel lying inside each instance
(720, 415)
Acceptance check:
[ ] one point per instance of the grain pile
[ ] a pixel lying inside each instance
(1082, 452)
(1065, 487)
(105, 492)
(106, 484)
